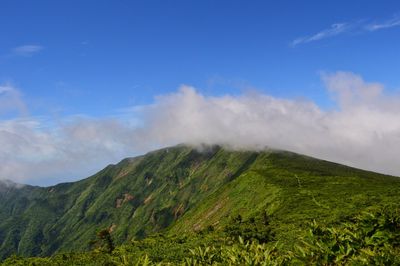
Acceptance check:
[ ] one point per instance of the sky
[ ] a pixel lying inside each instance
(87, 83)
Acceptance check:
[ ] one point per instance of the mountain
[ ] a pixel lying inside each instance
(183, 189)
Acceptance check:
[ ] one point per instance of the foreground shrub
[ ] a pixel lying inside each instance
(242, 253)
(372, 238)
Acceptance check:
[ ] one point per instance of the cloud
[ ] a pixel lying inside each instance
(394, 22)
(363, 26)
(335, 29)
(11, 100)
(363, 131)
(35, 152)
(27, 50)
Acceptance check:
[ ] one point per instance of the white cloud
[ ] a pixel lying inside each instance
(394, 22)
(348, 27)
(335, 29)
(363, 132)
(11, 100)
(32, 150)
(27, 50)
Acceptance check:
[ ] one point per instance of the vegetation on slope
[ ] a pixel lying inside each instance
(196, 199)
(369, 238)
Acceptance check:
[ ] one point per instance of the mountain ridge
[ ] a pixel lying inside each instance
(183, 189)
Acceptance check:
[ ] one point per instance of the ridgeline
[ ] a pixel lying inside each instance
(273, 195)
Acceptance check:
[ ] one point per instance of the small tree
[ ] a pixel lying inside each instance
(104, 242)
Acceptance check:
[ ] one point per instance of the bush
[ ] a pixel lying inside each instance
(254, 229)
(372, 238)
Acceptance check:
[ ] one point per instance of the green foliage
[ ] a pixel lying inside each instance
(241, 253)
(104, 242)
(191, 197)
(372, 238)
(253, 229)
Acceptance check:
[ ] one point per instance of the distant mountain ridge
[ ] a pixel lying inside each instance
(181, 189)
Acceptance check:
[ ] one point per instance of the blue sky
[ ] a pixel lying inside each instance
(98, 56)
(102, 79)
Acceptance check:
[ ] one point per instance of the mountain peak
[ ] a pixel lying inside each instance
(184, 189)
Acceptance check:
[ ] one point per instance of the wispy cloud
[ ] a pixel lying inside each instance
(335, 29)
(11, 101)
(27, 50)
(394, 22)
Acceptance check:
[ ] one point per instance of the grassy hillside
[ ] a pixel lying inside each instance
(180, 191)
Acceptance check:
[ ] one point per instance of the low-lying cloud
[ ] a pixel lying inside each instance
(363, 131)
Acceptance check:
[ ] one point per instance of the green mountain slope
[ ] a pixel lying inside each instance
(180, 189)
